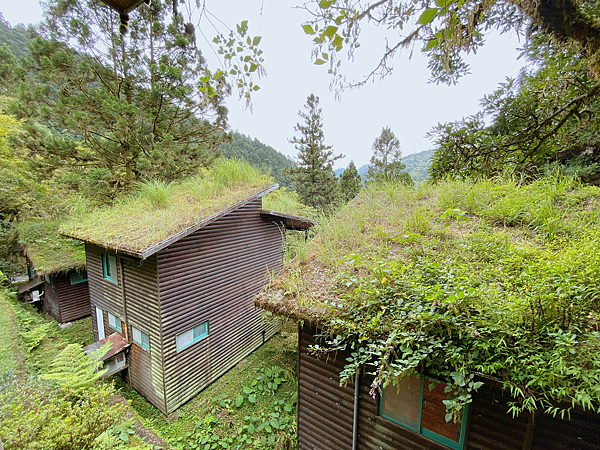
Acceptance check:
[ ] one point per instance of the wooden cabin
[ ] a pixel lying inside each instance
(183, 299)
(377, 276)
(57, 276)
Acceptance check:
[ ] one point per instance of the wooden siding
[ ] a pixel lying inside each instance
(51, 305)
(325, 413)
(325, 410)
(104, 294)
(143, 312)
(212, 275)
(73, 299)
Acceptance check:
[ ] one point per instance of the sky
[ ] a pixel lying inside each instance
(404, 101)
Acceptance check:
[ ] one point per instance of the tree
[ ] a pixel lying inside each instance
(349, 184)
(546, 115)
(447, 30)
(386, 163)
(313, 177)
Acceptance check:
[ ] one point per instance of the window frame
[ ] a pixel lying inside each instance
(106, 264)
(78, 272)
(141, 341)
(194, 338)
(120, 327)
(424, 431)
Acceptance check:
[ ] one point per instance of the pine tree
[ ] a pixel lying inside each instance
(386, 163)
(350, 182)
(313, 177)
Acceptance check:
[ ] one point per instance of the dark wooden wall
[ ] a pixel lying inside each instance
(51, 305)
(73, 299)
(138, 307)
(212, 275)
(325, 413)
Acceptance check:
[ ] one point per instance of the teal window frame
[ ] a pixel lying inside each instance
(117, 322)
(107, 268)
(83, 275)
(424, 431)
(144, 340)
(196, 336)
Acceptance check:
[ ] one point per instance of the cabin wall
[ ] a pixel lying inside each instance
(325, 413)
(73, 299)
(51, 304)
(143, 312)
(135, 301)
(212, 275)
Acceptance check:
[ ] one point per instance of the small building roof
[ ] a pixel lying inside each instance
(24, 287)
(48, 250)
(118, 344)
(144, 224)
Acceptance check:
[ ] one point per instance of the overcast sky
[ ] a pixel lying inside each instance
(403, 101)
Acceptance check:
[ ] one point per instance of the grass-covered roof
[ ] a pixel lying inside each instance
(139, 223)
(495, 279)
(48, 251)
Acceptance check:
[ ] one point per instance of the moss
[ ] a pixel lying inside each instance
(157, 210)
(48, 250)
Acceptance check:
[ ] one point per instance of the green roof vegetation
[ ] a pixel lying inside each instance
(465, 281)
(48, 251)
(159, 210)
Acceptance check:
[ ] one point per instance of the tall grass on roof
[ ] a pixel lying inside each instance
(157, 211)
(501, 282)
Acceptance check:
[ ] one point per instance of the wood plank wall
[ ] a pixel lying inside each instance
(143, 312)
(212, 275)
(51, 305)
(326, 412)
(73, 299)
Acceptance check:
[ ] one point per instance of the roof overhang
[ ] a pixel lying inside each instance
(119, 344)
(30, 285)
(289, 221)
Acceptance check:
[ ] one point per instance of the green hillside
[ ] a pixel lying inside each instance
(15, 37)
(259, 155)
(418, 163)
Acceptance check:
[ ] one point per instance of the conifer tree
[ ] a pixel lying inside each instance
(313, 177)
(386, 163)
(350, 182)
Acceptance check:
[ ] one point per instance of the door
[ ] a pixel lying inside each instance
(100, 322)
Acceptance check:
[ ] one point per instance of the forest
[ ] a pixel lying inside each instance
(474, 263)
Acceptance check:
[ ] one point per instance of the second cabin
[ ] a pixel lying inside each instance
(176, 278)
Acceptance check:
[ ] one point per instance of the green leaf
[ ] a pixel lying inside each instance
(248, 390)
(427, 16)
(432, 43)
(442, 3)
(239, 400)
(319, 61)
(252, 398)
(308, 29)
(326, 3)
(337, 42)
(331, 30)
(287, 407)
(256, 40)
(253, 67)
(274, 423)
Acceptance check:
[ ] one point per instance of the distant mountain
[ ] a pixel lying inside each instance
(258, 154)
(416, 165)
(15, 37)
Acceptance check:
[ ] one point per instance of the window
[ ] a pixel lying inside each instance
(114, 322)
(188, 337)
(78, 277)
(416, 403)
(47, 278)
(109, 267)
(141, 338)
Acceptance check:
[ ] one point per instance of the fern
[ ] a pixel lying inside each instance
(34, 337)
(74, 369)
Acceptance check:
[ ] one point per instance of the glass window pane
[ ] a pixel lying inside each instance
(200, 331)
(137, 335)
(184, 339)
(113, 267)
(433, 415)
(145, 341)
(401, 403)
